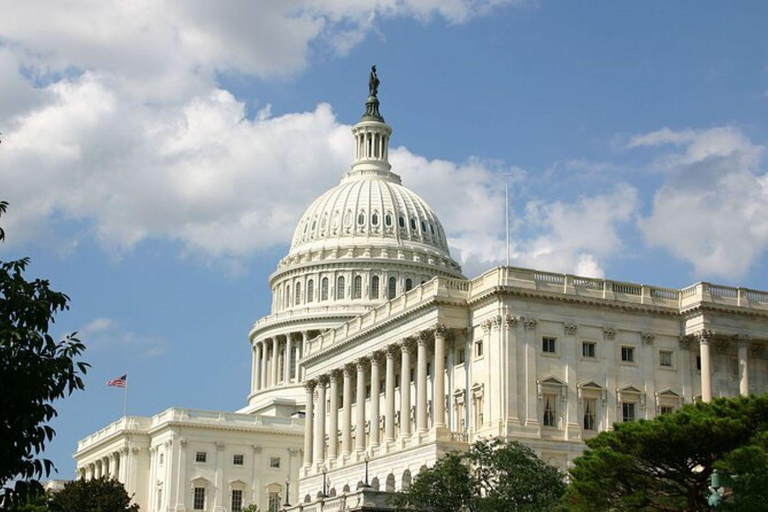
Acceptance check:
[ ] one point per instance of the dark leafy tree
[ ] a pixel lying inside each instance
(96, 495)
(664, 463)
(36, 371)
(744, 474)
(493, 476)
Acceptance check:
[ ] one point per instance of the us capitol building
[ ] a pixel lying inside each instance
(379, 356)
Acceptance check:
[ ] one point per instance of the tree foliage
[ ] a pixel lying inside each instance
(494, 475)
(745, 474)
(37, 370)
(664, 463)
(96, 495)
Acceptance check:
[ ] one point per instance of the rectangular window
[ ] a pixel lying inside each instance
(429, 369)
(627, 411)
(198, 503)
(460, 356)
(274, 462)
(382, 385)
(237, 500)
(237, 459)
(665, 358)
(201, 456)
(479, 348)
(590, 406)
(588, 349)
(162, 458)
(549, 345)
(367, 391)
(274, 502)
(628, 354)
(666, 409)
(549, 411)
(698, 363)
(413, 374)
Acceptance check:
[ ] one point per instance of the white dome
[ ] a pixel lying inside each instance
(369, 209)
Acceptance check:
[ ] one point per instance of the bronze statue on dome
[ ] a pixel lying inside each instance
(373, 82)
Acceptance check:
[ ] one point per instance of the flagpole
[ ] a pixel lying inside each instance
(125, 398)
(506, 211)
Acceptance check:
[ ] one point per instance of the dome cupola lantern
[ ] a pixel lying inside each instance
(372, 137)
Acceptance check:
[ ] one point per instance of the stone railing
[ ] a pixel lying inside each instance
(124, 424)
(234, 419)
(361, 499)
(568, 284)
(303, 311)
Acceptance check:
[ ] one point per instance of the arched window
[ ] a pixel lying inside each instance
(324, 289)
(357, 288)
(287, 295)
(401, 221)
(310, 290)
(408, 284)
(424, 226)
(348, 218)
(388, 220)
(375, 287)
(413, 224)
(297, 299)
(392, 288)
(361, 218)
(375, 219)
(340, 288)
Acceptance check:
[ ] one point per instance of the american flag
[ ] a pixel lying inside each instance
(119, 382)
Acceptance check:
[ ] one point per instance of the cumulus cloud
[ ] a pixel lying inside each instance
(712, 209)
(105, 334)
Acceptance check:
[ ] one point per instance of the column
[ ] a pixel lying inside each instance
(299, 369)
(320, 420)
(346, 412)
(264, 354)
(360, 409)
(405, 388)
(275, 355)
(333, 419)
(389, 394)
(375, 383)
(113, 465)
(287, 360)
(309, 386)
(254, 368)
(438, 401)
(421, 382)
(705, 336)
(743, 341)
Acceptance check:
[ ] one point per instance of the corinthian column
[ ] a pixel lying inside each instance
(421, 382)
(389, 395)
(320, 420)
(375, 383)
(405, 388)
(360, 409)
(333, 419)
(263, 364)
(346, 412)
(309, 386)
(287, 359)
(743, 341)
(275, 356)
(705, 336)
(438, 401)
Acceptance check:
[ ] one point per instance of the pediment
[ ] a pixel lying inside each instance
(591, 385)
(629, 389)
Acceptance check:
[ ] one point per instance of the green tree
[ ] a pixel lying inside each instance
(96, 495)
(493, 475)
(37, 370)
(745, 475)
(664, 463)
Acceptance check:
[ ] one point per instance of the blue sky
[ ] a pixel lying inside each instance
(156, 157)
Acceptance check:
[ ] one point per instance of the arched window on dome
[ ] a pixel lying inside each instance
(401, 221)
(324, 289)
(375, 219)
(388, 220)
(408, 284)
(297, 299)
(374, 287)
(357, 288)
(340, 288)
(287, 296)
(392, 288)
(424, 226)
(310, 290)
(432, 228)
(361, 218)
(413, 224)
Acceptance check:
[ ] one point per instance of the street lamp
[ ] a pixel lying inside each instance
(367, 459)
(287, 494)
(324, 493)
(715, 499)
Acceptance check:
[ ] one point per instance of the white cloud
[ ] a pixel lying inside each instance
(713, 207)
(104, 334)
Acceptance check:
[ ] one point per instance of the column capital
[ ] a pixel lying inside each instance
(349, 369)
(323, 380)
(685, 341)
(647, 338)
(392, 351)
(408, 344)
(440, 330)
(609, 333)
(511, 320)
(423, 337)
(486, 325)
(336, 374)
(757, 349)
(742, 339)
(570, 328)
(530, 323)
(362, 363)
(310, 384)
(704, 336)
(496, 322)
(377, 358)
